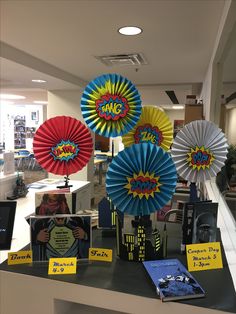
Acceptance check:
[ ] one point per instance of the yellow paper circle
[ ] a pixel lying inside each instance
(154, 126)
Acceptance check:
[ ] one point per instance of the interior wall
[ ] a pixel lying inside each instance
(212, 83)
(231, 122)
(175, 115)
(67, 103)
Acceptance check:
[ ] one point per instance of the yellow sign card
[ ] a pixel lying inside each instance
(204, 256)
(21, 257)
(96, 254)
(61, 266)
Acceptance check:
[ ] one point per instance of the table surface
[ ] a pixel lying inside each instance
(131, 277)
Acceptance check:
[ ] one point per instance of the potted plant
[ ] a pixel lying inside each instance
(230, 163)
(227, 172)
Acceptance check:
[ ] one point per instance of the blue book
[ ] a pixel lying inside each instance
(172, 280)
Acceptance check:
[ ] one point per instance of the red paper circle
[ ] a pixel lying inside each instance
(51, 133)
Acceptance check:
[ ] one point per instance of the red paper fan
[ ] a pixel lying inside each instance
(62, 145)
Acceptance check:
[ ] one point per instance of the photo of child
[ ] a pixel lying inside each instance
(51, 204)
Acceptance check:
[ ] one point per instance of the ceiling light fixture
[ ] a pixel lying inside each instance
(11, 96)
(178, 107)
(6, 102)
(38, 81)
(130, 30)
(40, 102)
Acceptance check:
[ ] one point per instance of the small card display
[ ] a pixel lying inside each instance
(21, 257)
(62, 266)
(98, 254)
(204, 256)
(60, 236)
(54, 202)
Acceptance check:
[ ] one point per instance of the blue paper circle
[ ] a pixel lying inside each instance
(151, 161)
(111, 105)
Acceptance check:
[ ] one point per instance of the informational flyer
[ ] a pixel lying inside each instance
(60, 236)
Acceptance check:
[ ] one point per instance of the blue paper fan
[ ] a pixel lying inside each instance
(141, 179)
(111, 105)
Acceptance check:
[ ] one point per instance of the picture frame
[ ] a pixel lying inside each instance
(7, 218)
(34, 115)
(60, 236)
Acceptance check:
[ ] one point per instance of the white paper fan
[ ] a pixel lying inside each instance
(199, 151)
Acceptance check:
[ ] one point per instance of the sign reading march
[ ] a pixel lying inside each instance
(62, 266)
(204, 256)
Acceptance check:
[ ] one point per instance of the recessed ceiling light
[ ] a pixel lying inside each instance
(39, 81)
(178, 107)
(41, 102)
(6, 102)
(130, 30)
(11, 96)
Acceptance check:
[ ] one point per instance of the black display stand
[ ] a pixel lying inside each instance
(131, 277)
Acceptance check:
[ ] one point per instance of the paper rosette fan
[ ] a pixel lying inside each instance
(199, 151)
(111, 105)
(141, 179)
(154, 127)
(62, 145)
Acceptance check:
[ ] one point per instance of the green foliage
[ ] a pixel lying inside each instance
(231, 159)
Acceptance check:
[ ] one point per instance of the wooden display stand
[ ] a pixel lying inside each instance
(193, 112)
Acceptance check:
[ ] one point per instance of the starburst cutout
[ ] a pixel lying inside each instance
(143, 185)
(200, 158)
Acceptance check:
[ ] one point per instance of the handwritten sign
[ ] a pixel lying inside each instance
(148, 134)
(62, 266)
(96, 254)
(200, 158)
(204, 256)
(143, 185)
(65, 150)
(112, 107)
(21, 257)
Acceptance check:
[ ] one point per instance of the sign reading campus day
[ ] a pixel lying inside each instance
(204, 256)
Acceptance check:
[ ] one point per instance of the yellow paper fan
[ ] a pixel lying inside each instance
(154, 127)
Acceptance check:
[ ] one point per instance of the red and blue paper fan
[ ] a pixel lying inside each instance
(62, 145)
(141, 179)
(111, 105)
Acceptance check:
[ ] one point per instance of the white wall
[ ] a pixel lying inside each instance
(7, 126)
(231, 122)
(175, 115)
(67, 103)
(212, 84)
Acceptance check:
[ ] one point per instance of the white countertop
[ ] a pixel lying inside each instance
(227, 226)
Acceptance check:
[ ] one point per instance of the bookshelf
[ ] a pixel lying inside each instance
(22, 132)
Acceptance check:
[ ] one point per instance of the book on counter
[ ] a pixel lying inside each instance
(172, 280)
